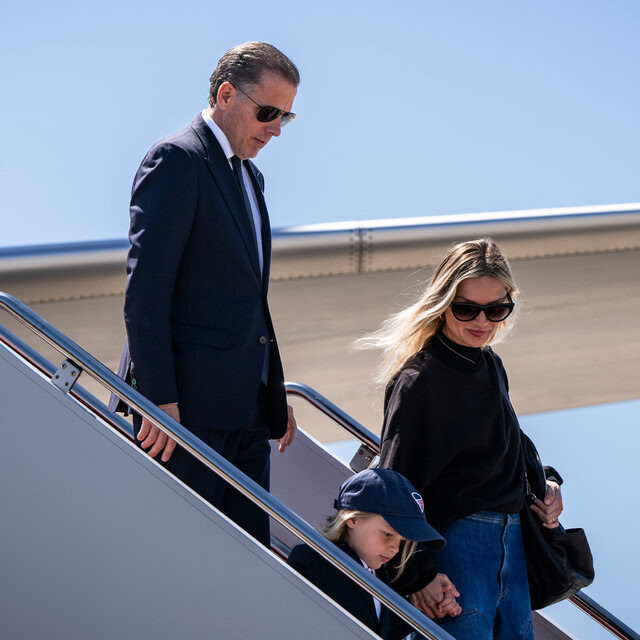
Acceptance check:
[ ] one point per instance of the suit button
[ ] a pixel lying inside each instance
(262, 340)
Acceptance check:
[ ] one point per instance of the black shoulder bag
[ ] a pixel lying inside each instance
(559, 561)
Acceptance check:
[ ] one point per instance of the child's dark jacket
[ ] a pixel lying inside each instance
(352, 597)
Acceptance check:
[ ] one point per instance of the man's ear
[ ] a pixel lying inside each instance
(226, 94)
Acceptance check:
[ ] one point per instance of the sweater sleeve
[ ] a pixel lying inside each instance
(399, 449)
(414, 442)
(551, 473)
(502, 372)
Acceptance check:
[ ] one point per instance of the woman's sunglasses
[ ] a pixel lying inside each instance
(465, 312)
(267, 113)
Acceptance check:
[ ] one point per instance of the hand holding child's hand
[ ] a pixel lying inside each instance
(437, 599)
(449, 605)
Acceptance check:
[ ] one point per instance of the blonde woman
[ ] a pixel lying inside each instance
(450, 429)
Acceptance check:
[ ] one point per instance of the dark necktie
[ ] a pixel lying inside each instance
(236, 163)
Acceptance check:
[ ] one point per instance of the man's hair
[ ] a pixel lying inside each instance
(244, 65)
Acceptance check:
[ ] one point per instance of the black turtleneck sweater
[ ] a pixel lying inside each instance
(449, 427)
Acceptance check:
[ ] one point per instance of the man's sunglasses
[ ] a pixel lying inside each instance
(465, 312)
(267, 113)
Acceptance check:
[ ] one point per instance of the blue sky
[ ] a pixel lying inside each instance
(405, 108)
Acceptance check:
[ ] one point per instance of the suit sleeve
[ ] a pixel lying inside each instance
(302, 559)
(163, 205)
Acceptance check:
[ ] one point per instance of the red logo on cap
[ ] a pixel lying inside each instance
(418, 498)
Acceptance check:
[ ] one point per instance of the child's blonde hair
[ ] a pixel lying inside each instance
(337, 530)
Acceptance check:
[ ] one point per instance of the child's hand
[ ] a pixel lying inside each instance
(437, 599)
(449, 605)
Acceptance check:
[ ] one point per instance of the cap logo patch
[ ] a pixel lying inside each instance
(418, 498)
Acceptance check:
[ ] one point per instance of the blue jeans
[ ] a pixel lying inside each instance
(484, 559)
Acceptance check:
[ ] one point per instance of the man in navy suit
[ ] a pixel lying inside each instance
(200, 342)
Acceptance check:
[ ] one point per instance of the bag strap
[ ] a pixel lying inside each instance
(527, 486)
(549, 473)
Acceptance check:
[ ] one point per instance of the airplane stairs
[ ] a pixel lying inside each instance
(98, 541)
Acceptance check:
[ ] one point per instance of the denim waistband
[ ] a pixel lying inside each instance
(494, 517)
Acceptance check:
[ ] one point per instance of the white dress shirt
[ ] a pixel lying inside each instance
(248, 184)
(376, 602)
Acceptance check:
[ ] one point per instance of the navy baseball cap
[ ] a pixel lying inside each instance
(391, 495)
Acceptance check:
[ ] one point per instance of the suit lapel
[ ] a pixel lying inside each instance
(224, 178)
(385, 614)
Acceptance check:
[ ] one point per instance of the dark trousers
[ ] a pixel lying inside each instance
(248, 449)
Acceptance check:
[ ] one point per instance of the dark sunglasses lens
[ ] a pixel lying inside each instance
(467, 312)
(464, 312)
(497, 313)
(267, 114)
(287, 118)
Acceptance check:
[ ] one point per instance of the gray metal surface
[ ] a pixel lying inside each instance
(223, 468)
(97, 541)
(63, 271)
(409, 243)
(66, 376)
(331, 472)
(556, 357)
(306, 478)
(546, 629)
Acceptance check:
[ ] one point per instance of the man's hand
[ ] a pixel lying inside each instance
(549, 511)
(437, 599)
(290, 433)
(151, 436)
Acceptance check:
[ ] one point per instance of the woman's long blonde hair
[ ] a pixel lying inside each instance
(407, 332)
(337, 530)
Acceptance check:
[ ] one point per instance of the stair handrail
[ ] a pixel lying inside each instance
(370, 440)
(222, 467)
(334, 412)
(83, 397)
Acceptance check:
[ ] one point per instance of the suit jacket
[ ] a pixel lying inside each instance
(196, 307)
(351, 596)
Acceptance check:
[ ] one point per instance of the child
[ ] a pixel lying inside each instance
(379, 515)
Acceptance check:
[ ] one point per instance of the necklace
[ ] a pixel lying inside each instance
(454, 351)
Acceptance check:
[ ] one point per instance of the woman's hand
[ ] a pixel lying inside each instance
(550, 509)
(437, 599)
